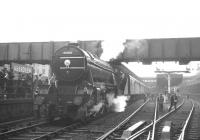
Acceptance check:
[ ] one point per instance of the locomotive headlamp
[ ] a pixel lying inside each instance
(67, 62)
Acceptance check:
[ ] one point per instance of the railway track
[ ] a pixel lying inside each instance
(137, 120)
(45, 132)
(152, 130)
(10, 127)
(61, 131)
(139, 127)
(94, 130)
(192, 133)
(4, 124)
(147, 123)
(56, 131)
(7, 134)
(180, 124)
(175, 120)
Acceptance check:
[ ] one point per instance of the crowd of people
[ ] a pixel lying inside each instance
(12, 87)
(19, 85)
(6, 80)
(41, 102)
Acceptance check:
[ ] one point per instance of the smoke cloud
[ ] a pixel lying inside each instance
(134, 48)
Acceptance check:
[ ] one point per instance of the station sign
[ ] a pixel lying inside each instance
(21, 68)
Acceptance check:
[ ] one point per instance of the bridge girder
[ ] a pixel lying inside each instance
(183, 50)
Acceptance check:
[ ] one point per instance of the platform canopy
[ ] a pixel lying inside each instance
(183, 50)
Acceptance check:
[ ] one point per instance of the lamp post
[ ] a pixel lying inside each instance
(168, 82)
(168, 76)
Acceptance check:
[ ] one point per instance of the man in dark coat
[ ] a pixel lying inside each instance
(2, 75)
(173, 101)
(160, 102)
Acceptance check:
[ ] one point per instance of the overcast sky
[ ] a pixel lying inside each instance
(110, 20)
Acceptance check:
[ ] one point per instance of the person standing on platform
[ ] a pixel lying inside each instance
(173, 101)
(160, 102)
(38, 103)
(52, 97)
(2, 81)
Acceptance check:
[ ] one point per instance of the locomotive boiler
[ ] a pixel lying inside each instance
(83, 82)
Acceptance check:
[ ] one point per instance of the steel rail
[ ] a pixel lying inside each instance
(154, 120)
(182, 135)
(21, 129)
(122, 123)
(140, 132)
(56, 131)
(16, 121)
(149, 136)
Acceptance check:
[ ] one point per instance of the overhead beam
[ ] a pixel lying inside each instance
(167, 49)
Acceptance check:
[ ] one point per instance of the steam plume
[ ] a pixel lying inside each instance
(97, 107)
(133, 48)
(117, 104)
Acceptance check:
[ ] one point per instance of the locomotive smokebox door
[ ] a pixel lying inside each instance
(69, 63)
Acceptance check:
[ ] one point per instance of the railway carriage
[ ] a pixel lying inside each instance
(129, 84)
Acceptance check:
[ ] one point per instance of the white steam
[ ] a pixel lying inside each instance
(117, 104)
(120, 103)
(97, 107)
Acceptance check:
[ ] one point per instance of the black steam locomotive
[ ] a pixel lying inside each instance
(83, 83)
